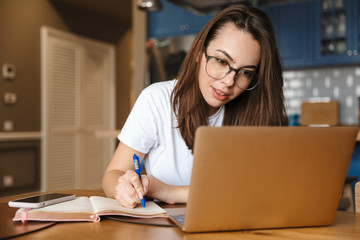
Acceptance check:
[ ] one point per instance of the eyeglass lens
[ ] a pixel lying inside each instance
(218, 69)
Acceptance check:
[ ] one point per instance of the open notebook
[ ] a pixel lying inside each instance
(266, 177)
(87, 209)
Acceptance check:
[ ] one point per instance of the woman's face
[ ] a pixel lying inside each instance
(240, 51)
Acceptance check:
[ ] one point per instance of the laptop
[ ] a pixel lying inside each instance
(266, 177)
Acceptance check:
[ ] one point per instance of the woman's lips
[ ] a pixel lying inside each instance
(219, 94)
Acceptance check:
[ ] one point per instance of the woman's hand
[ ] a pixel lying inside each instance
(167, 193)
(130, 189)
(121, 182)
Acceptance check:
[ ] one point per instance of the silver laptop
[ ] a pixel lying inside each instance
(266, 177)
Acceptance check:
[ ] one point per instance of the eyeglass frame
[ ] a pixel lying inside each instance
(237, 71)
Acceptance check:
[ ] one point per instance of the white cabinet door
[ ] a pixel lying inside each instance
(77, 100)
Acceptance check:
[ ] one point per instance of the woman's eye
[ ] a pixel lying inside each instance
(221, 61)
(249, 74)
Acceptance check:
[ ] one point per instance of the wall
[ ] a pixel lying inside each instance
(124, 75)
(20, 22)
(338, 83)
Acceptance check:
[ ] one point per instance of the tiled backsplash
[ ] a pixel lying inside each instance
(341, 84)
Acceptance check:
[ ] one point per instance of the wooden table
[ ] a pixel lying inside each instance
(346, 226)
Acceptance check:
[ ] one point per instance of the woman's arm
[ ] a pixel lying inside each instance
(167, 193)
(122, 183)
(120, 180)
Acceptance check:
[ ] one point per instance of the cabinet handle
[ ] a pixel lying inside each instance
(349, 52)
(184, 27)
(355, 52)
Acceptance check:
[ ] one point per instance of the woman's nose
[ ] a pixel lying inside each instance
(229, 79)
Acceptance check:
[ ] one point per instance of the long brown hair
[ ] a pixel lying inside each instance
(262, 106)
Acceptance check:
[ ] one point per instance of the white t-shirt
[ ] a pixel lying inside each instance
(151, 128)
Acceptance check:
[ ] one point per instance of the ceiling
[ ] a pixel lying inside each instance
(118, 10)
(105, 20)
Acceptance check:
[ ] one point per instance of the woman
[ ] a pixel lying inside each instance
(231, 76)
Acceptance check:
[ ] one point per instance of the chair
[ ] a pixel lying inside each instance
(346, 202)
(357, 197)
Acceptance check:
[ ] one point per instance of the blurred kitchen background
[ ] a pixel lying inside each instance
(139, 42)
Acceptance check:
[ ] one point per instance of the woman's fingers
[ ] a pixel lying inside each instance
(131, 189)
(126, 194)
(145, 180)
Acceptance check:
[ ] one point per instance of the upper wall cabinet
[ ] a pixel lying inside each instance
(291, 25)
(317, 33)
(173, 21)
(308, 33)
(336, 26)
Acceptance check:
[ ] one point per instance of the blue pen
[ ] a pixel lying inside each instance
(138, 171)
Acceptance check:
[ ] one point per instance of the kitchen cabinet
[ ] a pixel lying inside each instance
(336, 24)
(292, 29)
(173, 21)
(354, 167)
(317, 33)
(308, 33)
(19, 166)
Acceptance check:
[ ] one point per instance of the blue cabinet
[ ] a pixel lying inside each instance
(308, 33)
(292, 28)
(173, 21)
(336, 24)
(317, 33)
(356, 21)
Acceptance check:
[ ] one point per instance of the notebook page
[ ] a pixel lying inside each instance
(102, 204)
(80, 204)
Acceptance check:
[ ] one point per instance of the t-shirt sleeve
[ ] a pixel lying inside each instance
(140, 130)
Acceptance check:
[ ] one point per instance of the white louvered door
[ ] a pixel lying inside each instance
(95, 102)
(78, 100)
(62, 106)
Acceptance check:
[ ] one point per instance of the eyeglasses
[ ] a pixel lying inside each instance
(218, 68)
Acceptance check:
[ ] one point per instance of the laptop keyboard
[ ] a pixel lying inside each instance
(179, 218)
